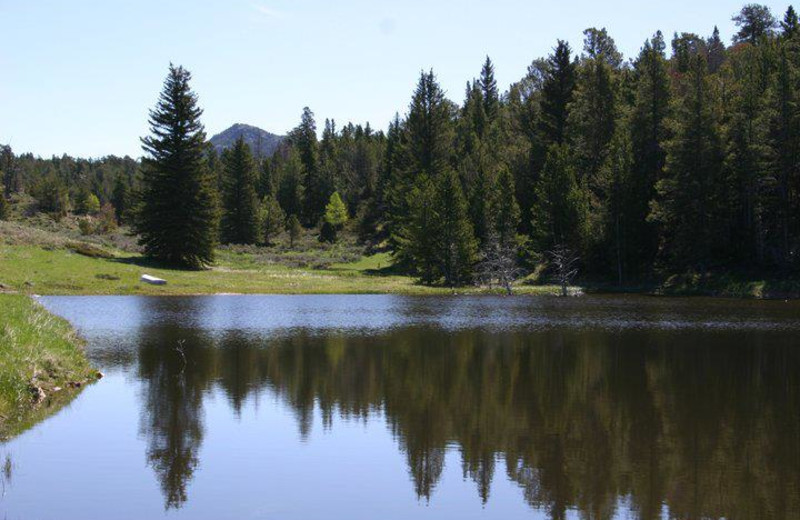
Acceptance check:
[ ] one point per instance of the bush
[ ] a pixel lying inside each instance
(86, 226)
(106, 220)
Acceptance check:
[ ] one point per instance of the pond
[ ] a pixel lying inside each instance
(306, 407)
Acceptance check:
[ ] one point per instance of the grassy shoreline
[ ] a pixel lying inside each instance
(49, 258)
(42, 364)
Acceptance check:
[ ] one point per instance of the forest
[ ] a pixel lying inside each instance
(685, 158)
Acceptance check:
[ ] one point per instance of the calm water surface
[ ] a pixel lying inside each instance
(384, 407)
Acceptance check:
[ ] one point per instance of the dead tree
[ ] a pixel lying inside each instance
(498, 266)
(564, 262)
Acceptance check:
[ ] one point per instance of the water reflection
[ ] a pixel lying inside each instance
(704, 421)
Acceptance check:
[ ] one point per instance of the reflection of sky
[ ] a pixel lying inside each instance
(87, 463)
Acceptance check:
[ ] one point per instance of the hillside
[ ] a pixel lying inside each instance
(261, 142)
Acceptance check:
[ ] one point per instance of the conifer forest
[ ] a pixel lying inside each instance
(683, 158)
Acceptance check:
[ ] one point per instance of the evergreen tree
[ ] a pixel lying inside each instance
(594, 112)
(240, 218)
(790, 24)
(618, 217)
(457, 247)
(505, 209)
(489, 92)
(273, 219)
(177, 221)
(426, 144)
(560, 209)
(686, 206)
(121, 199)
(747, 151)
(52, 196)
(266, 179)
(294, 228)
(417, 239)
(5, 209)
(316, 192)
(290, 187)
(784, 155)
(336, 211)
(474, 159)
(754, 21)
(86, 202)
(335, 218)
(716, 52)
(648, 132)
(429, 127)
(557, 92)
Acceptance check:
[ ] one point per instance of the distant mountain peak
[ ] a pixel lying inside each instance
(261, 142)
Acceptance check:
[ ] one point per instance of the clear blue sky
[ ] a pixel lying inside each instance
(78, 77)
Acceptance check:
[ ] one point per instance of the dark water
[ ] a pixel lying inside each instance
(303, 407)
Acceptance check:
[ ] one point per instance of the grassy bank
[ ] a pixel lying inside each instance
(42, 364)
(43, 257)
(43, 261)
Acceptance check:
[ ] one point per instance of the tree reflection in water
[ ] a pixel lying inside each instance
(704, 423)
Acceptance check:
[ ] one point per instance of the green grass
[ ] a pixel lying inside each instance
(44, 261)
(38, 351)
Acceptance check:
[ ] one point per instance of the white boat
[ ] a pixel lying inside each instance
(152, 280)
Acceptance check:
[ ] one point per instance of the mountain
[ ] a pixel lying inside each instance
(262, 143)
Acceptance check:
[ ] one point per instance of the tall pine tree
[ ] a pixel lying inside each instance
(240, 217)
(178, 219)
(686, 207)
(648, 132)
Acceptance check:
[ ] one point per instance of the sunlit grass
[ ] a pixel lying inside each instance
(41, 357)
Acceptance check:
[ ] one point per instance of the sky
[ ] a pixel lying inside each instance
(79, 77)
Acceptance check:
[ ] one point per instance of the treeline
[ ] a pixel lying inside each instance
(679, 161)
(62, 185)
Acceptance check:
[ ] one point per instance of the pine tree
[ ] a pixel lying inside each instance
(784, 152)
(648, 132)
(716, 52)
(417, 239)
(294, 228)
(747, 161)
(266, 179)
(273, 219)
(559, 214)
(5, 208)
(430, 129)
(790, 24)
(594, 110)
(505, 209)
(489, 92)
(335, 218)
(121, 199)
(457, 247)
(618, 217)
(290, 187)
(178, 218)
(316, 192)
(474, 158)
(336, 211)
(686, 206)
(755, 22)
(240, 219)
(557, 92)
(425, 146)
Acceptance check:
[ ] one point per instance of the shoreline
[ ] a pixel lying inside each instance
(43, 365)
